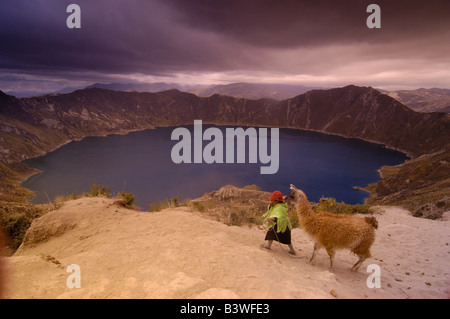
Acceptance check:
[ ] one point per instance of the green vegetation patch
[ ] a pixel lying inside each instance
(329, 204)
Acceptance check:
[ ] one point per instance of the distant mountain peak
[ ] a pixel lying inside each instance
(424, 100)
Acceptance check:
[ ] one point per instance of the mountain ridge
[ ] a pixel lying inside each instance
(424, 100)
(240, 89)
(420, 100)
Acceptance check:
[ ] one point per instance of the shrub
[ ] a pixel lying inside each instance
(175, 200)
(198, 206)
(329, 204)
(99, 189)
(128, 199)
(15, 226)
(235, 218)
(158, 206)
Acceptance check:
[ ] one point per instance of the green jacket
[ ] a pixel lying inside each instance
(280, 212)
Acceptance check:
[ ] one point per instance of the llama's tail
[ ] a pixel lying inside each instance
(372, 221)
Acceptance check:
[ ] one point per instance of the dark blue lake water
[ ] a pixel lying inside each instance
(141, 163)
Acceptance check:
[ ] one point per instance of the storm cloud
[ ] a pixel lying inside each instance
(306, 42)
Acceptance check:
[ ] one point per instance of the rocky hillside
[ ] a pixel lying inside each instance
(424, 100)
(34, 126)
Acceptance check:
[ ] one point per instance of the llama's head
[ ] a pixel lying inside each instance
(299, 200)
(295, 196)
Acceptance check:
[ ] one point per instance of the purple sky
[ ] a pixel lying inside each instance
(313, 43)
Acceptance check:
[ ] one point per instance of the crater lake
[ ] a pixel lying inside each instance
(140, 162)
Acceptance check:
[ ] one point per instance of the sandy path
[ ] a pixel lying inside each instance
(178, 253)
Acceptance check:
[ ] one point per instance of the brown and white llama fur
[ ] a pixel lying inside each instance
(335, 231)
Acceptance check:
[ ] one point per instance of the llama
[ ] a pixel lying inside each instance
(335, 231)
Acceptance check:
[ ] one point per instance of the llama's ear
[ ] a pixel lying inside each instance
(293, 188)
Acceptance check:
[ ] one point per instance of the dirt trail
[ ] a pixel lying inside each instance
(178, 253)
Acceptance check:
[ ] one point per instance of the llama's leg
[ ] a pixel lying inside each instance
(316, 248)
(363, 252)
(331, 253)
(358, 264)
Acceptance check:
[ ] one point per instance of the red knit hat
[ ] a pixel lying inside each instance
(276, 195)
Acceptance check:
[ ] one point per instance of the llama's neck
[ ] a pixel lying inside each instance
(303, 208)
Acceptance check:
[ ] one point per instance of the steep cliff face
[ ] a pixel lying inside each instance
(365, 113)
(33, 126)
